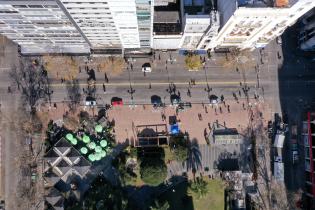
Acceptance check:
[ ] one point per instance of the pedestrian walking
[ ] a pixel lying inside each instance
(203, 105)
(131, 66)
(206, 109)
(239, 93)
(215, 111)
(209, 126)
(220, 109)
(79, 69)
(243, 106)
(241, 84)
(150, 85)
(237, 70)
(228, 108)
(106, 78)
(178, 93)
(159, 56)
(104, 88)
(222, 98)
(188, 92)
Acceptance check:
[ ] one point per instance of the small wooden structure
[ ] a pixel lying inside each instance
(151, 135)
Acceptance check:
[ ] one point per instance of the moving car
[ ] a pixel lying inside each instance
(146, 67)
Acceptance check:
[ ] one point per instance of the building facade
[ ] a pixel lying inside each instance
(90, 24)
(308, 140)
(200, 24)
(307, 32)
(40, 27)
(247, 24)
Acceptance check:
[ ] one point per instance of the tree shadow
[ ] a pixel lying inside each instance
(194, 156)
(175, 192)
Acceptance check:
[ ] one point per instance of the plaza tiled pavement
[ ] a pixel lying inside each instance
(125, 117)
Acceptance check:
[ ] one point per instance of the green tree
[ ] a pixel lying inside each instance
(199, 187)
(153, 171)
(126, 175)
(102, 196)
(179, 147)
(193, 62)
(160, 206)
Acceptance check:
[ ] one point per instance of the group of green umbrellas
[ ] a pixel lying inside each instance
(72, 139)
(99, 150)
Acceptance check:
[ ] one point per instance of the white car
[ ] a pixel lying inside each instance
(146, 67)
(279, 40)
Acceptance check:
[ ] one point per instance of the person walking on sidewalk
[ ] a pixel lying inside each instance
(104, 88)
(106, 78)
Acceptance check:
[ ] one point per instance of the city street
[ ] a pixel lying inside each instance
(280, 90)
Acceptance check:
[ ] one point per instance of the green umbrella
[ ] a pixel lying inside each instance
(98, 149)
(91, 145)
(98, 156)
(91, 157)
(98, 128)
(103, 143)
(74, 141)
(103, 153)
(69, 136)
(86, 139)
(84, 150)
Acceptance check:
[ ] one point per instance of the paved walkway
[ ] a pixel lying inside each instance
(125, 117)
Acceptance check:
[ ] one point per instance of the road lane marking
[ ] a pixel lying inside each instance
(160, 83)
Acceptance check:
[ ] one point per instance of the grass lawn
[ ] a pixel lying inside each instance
(184, 200)
(215, 198)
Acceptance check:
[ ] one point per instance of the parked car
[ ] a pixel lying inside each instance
(115, 101)
(295, 157)
(146, 67)
(90, 101)
(214, 99)
(175, 99)
(279, 40)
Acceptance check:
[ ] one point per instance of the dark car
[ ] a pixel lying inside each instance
(214, 99)
(156, 100)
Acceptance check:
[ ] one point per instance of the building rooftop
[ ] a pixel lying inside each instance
(166, 17)
(265, 3)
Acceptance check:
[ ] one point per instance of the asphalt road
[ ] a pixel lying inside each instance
(223, 81)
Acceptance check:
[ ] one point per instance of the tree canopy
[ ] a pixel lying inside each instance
(193, 62)
(179, 147)
(153, 171)
(199, 187)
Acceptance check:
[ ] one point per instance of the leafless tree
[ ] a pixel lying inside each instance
(65, 67)
(31, 79)
(74, 94)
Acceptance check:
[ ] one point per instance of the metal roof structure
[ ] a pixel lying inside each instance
(64, 160)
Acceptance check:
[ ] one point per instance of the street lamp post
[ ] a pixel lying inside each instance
(131, 91)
